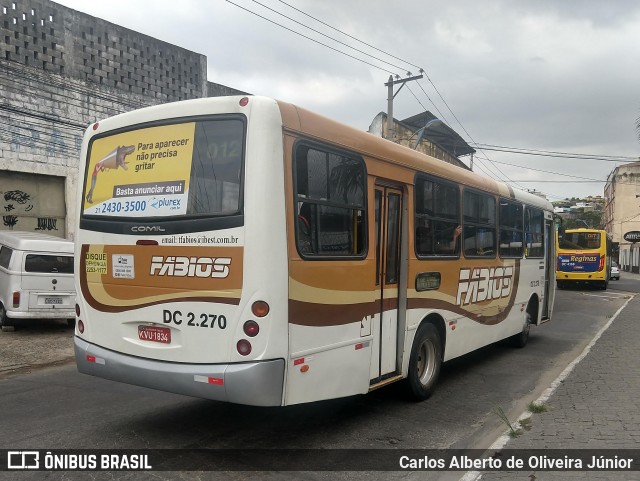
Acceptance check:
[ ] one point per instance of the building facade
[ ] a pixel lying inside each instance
(61, 70)
(448, 146)
(622, 213)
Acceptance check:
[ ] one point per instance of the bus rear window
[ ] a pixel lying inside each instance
(186, 169)
(580, 241)
(48, 263)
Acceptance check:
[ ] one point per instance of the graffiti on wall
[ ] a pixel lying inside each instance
(18, 200)
(57, 143)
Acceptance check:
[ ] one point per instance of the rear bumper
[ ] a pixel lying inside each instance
(581, 276)
(253, 383)
(43, 314)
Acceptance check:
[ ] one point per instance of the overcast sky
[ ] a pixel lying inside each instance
(533, 74)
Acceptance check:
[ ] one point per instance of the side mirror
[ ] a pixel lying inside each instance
(559, 226)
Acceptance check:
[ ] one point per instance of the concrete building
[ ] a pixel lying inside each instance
(61, 70)
(622, 213)
(437, 139)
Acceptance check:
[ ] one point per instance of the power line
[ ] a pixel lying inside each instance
(525, 150)
(546, 171)
(50, 81)
(312, 39)
(565, 155)
(325, 35)
(350, 36)
(562, 181)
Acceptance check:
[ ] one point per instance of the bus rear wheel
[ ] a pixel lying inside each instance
(425, 362)
(521, 339)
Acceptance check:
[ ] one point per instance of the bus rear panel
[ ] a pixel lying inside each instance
(171, 296)
(583, 258)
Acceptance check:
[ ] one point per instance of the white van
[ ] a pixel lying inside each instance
(36, 277)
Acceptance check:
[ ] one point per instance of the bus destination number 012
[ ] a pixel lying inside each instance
(195, 320)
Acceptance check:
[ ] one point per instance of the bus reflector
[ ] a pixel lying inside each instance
(96, 360)
(95, 126)
(244, 101)
(298, 361)
(359, 346)
(217, 381)
(80, 326)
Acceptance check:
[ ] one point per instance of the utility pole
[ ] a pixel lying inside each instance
(391, 96)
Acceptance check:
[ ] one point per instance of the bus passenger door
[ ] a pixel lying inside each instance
(550, 269)
(388, 212)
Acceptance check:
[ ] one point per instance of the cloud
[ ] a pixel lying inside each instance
(537, 74)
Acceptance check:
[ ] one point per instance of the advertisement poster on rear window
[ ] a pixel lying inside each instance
(142, 173)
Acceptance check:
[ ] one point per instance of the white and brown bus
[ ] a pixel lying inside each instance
(247, 250)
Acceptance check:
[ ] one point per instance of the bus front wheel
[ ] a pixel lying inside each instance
(425, 362)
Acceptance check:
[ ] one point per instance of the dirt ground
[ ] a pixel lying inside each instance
(35, 344)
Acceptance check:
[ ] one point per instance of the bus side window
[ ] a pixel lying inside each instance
(534, 232)
(437, 217)
(479, 224)
(330, 196)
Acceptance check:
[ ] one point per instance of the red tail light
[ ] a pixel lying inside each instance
(80, 326)
(77, 310)
(244, 347)
(251, 328)
(16, 299)
(601, 266)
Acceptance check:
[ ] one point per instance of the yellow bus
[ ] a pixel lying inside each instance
(584, 257)
(246, 250)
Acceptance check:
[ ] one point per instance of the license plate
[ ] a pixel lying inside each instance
(155, 334)
(53, 300)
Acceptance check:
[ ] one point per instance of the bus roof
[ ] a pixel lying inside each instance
(312, 125)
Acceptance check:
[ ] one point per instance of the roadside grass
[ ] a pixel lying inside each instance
(518, 428)
(537, 408)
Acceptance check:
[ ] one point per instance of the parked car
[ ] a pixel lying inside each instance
(36, 277)
(615, 272)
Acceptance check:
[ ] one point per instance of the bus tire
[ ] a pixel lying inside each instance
(520, 340)
(425, 362)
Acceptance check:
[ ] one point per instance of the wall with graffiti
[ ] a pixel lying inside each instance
(32, 203)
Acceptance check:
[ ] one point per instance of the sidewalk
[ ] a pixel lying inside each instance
(597, 405)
